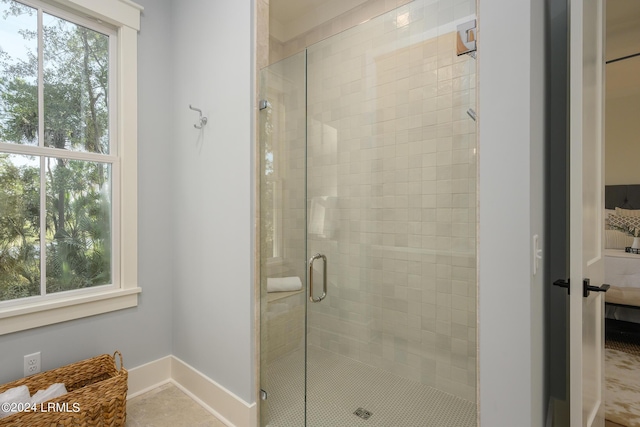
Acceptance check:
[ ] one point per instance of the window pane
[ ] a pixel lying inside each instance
(19, 226)
(78, 224)
(76, 76)
(18, 73)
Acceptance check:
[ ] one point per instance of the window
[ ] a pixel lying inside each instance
(66, 143)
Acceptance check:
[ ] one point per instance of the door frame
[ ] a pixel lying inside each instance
(512, 134)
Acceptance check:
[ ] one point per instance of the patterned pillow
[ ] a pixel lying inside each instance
(608, 212)
(624, 222)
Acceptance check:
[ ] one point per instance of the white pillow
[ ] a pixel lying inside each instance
(628, 212)
(614, 239)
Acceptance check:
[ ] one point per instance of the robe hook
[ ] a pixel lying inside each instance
(203, 119)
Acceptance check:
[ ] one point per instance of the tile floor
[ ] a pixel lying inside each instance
(338, 386)
(168, 406)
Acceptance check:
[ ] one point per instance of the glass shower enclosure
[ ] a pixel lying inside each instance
(368, 228)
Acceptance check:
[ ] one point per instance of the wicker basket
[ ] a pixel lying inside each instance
(97, 395)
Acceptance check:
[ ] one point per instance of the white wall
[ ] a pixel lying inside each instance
(537, 210)
(141, 333)
(622, 139)
(212, 227)
(510, 188)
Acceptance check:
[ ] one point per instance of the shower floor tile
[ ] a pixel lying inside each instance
(339, 385)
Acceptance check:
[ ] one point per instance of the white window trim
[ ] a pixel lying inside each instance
(124, 15)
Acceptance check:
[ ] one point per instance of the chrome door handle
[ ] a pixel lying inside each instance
(324, 278)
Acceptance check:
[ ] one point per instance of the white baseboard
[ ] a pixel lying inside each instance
(146, 377)
(222, 403)
(231, 409)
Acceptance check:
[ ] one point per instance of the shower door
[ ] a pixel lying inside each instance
(283, 249)
(368, 196)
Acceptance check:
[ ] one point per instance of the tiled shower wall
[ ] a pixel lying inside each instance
(392, 155)
(391, 197)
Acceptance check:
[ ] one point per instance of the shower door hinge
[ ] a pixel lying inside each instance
(263, 395)
(466, 38)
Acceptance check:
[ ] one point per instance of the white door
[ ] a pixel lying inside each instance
(586, 312)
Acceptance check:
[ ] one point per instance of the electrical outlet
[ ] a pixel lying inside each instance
(31, 364)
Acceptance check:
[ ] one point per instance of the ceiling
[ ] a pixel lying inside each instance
(290, 18)
(289, 10)
(623, 38)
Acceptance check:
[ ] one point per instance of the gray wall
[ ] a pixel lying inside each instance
(143, 333)
(195, 206)
(511, 106)
(195, 209)
(213, 220)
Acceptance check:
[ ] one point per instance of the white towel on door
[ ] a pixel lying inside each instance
(283, 284)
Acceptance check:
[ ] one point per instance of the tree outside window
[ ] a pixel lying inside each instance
(56, 157)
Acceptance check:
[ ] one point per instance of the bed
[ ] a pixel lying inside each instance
(622, 272)
(621, 269)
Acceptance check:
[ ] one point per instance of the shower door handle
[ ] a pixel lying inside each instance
(324, 278)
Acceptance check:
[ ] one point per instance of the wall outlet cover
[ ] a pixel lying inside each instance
(31, 364)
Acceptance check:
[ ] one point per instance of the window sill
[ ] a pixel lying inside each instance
(28, 316)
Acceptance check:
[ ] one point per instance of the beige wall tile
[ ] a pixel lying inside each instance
(390, 192)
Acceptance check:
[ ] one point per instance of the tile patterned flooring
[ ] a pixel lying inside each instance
(168, 406)
(338, 386)
(333, 397)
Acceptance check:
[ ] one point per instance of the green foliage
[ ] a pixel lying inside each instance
(21, 125)
(77, 211)
(19, 230)
(78, 255)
